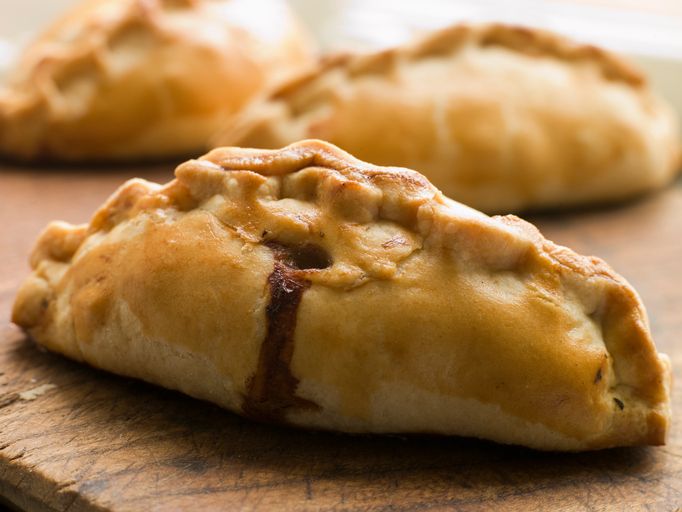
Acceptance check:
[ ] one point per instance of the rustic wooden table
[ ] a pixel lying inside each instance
(73, 438)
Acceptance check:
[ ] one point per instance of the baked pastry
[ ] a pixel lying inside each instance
(145, 79)
(306, 287)
(501, 118)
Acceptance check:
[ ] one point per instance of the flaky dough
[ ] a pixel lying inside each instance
(145, 79)
(501, 118)
(306, 287)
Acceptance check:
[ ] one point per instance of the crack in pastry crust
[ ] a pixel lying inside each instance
(272, 389)
(305, 286)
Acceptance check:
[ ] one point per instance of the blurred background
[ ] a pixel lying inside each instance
(649, 31)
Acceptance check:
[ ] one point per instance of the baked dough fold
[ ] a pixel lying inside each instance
(303, 286)
(145, 79)
(499, 117)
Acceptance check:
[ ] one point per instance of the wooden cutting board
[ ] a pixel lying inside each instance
(73, 438)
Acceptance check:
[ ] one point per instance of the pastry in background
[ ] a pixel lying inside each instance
(145, 79)
(501, 118)
(305, 287)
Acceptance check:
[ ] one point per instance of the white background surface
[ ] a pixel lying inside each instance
(650, 31)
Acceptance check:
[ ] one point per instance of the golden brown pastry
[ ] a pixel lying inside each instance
(499, 117)
(145, 79)
(306, 287)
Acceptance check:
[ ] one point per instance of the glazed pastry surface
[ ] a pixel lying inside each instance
(303, 286)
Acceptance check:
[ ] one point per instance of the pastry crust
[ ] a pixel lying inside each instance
(499, 117)
(303, 286)
(145, 79)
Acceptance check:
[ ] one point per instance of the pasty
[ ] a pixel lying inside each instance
(499, 117)
(145, 79)
(305, 287)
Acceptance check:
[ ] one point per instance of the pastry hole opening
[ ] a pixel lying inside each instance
(302, 257)
(311, 256)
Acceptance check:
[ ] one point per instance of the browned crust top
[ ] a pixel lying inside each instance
(496, 244)
(531, 42)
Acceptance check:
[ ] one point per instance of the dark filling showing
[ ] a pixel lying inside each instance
(271, 391)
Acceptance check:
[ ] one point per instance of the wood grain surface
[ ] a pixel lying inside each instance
(73, 438)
